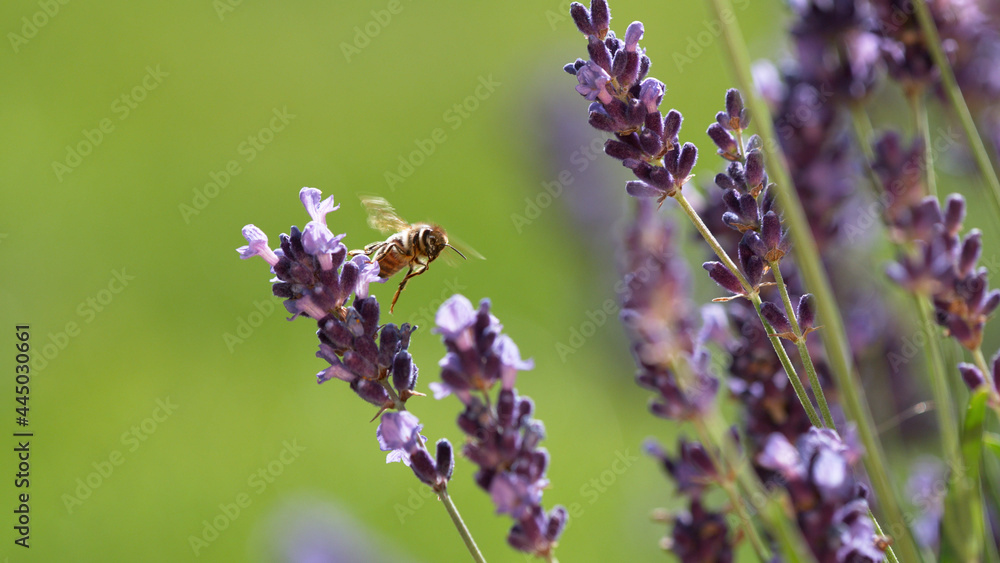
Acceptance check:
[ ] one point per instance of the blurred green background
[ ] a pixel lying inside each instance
(116, 115)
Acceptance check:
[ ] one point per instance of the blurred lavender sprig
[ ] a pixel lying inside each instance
(503, 436)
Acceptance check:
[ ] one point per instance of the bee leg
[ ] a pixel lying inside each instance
(412, 273)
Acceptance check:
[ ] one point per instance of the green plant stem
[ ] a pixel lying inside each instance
(954, 93)
(779, 349)
(800, 341)
(807, 257)
(919, 109)
(937, 372)
(456, 518)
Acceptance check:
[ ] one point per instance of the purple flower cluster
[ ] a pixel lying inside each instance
(311, 274)
(831, 504)
(699, 534)
(657, 318)
(503, 437)
(626, 103)
(944, 268)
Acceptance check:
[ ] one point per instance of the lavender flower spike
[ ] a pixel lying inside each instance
(503, 436)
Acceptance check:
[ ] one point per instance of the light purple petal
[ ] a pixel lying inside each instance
(440, 390)
(317, 239)
(316, 207)
(397, 430)
(368, 273)
(258, 245)
(454, 316)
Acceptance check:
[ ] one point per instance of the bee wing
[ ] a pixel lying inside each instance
(452, 258)
(382, 216)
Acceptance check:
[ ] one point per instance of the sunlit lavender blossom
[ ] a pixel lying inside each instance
(503, 436)
(311, 274)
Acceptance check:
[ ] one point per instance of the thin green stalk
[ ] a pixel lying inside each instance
(939, 385)
(919, 109)
(954, 93)
(779, 349)
(983, 366)
(456, 518)
(807, 258)
(800, 341)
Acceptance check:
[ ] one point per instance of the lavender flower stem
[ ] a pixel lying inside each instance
(981, 364)
(919, 109)
(800, 341)
(954, 93)
(456, 518)
(786, 362)
(834, 338)
(939, 385)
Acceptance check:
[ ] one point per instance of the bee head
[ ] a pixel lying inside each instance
(432, 240)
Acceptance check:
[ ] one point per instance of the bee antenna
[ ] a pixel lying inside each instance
(456, 250)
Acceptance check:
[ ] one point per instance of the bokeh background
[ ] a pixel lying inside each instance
(335, 96)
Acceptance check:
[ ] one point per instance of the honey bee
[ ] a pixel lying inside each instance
(410, 245)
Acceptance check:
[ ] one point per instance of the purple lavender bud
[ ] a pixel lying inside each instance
(404, 372)
(581, 17)
(445, 462)
(721, 275)
(990, 303)
(672, 126)
(954, 213)
(722, 118)
(651, 94)
(600, 16)
(558, 517)
(749, 213)
(357, 363)
(620, 150)
(776, 317)
(632, 36)
(686, 162)
(734, 104)
(754, 170)
(972, 248)
(745, 118)
(722, 139)
(770, 230)
(636, 188)
(599, 55)
(651, 142)
(371, 391)
(806, 312)
(972, 376)
(753, 268)
(756, 245)
(423, 467)
(725, 182)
